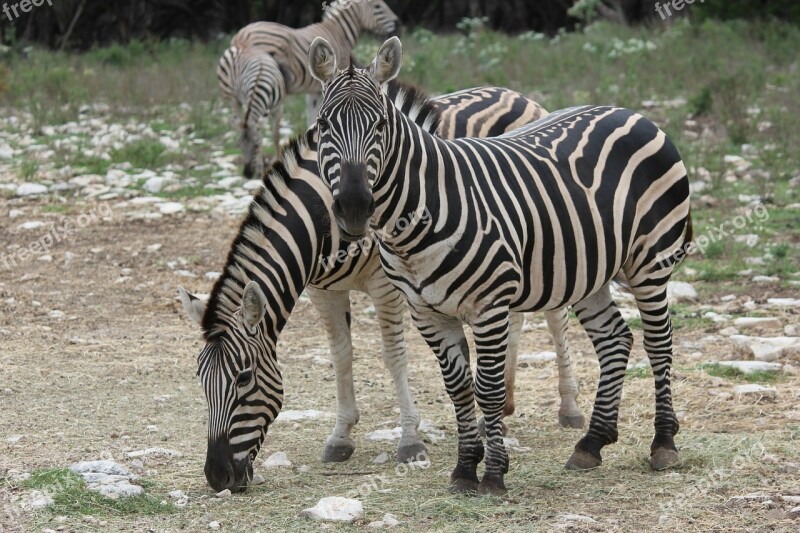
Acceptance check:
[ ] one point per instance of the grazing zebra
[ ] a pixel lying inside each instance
(262, 83)
(536, 219)
(287, 242)
(252, 83)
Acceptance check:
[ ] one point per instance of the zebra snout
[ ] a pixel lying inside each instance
(219, 469)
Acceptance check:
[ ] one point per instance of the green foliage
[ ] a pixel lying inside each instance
(144, 153)
(28, 169)
(701, 102)
(787, 10)
(734, 374)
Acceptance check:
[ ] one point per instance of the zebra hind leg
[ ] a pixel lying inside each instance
(569, 414)
(334, 311)
(653, 308)
(389, 308)
(445, 336)
(612, 340)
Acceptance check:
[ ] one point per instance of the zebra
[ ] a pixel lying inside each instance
(539, 218)
(279, 251)
(252, 83)
(267, 61)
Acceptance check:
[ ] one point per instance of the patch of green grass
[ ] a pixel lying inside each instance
(71, 497)
(54, 208)
(727, 372)
(144, 153)
(635, 323)
(28, 168)
(641, 372)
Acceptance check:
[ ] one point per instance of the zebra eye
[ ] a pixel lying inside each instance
(244, 377)
(323, 124)
(381, 125)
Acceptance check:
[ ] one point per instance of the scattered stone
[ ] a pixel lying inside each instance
(748, 322)
(766, 279)
(390, 520)
(31, 224)
(154, 452)
(784, 302)
(433, 433)
(251, 185)
(224, 494)
(381, 458)
(39, 500)
(753, 497)
(46, 258)
(212, 276)
(170, 208)
(179, 498)
(749, 240)
(569, 517)
(681, 291)
(13, 439)
(258, 479)
(791, 330)
(213, 525)
(30, 189)
(154, 248)
(108, 478)
(155, 184)
(335, 508)
(527, 359)
(767, 348)
(754, 390)
(795, 511)
(729, 331)
(185, 273)
(277, 460)
(750, 367)
(728, 298)
(14, 213)
(306, 414)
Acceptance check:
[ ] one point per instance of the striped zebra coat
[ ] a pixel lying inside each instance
(266, 61)
(539, 218)
(287, 242)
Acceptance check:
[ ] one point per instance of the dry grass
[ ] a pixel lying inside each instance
(131, 363)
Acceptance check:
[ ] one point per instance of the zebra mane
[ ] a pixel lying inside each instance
(415, 104)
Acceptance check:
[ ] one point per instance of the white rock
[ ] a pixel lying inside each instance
(31, 224)
(716, 317)
(14, 213)
(6, 152)
(258, 479)
(751, 322)
(110, 479)
(170, 208)
(335, 508)
(277, 460)
(748, 367)
(791, 330)
(154, 452)
(155, 184)
(39, 500)
(176, 494)
(390, 520)
(752, 389)
(13, 439)
(766, 279)
(231, 181)
(212, 276)
(569, 517)
(527, 359)
(784, 302)
(103, 467)
(795, 510)
(213, 525)
(680, 291)
(378, 524)
(306, 414)
(30, 189)
(46, 258)
(154, 247)
(767, 348)
(728, 298)
(385, 434)
(381, 458)
(750, 240)
(55, 313)
(431, 431)
(185, 273)
(224, 494)
(251, 185)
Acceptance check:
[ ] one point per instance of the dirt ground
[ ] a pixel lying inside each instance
(116, 372)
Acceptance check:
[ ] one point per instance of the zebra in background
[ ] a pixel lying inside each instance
(256, 85)
(252, 83)
(273, 258)
(536, 219)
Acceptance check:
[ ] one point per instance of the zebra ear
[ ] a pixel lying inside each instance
(194, 306)
(321, 60)
(253, 306)
(386, 65)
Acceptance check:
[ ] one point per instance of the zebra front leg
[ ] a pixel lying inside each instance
(612, 340)
(569, 414)
(445, 336)
(491, 345)
(389, 308)
(334, 311)
(653, 308)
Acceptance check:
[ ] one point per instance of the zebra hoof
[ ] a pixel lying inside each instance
(663, 458)
(581, 460)
(409, 453)
(463, 486)
(482, 427)
(571, 421)
(492, 486)
(337, 453)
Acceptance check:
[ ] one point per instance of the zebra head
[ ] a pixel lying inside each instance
(372, 15)
(242, 384)
(353, 127)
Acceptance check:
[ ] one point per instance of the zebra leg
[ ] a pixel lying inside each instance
(250, 143)
(491, 345)
(515, 322)
(334, 311)
(445, 336)
(653, 308)
(569, 414)
(612, 340)
(312, 107)
(275, 119)
(389, 307)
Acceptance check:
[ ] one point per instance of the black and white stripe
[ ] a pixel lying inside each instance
(537, 219)
(286, 244)
(267, 61)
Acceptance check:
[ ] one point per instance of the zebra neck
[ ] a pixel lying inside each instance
(343, 23)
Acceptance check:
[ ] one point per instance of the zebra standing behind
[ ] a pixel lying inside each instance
(536, 219)
(267, 61)
(282, 246)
